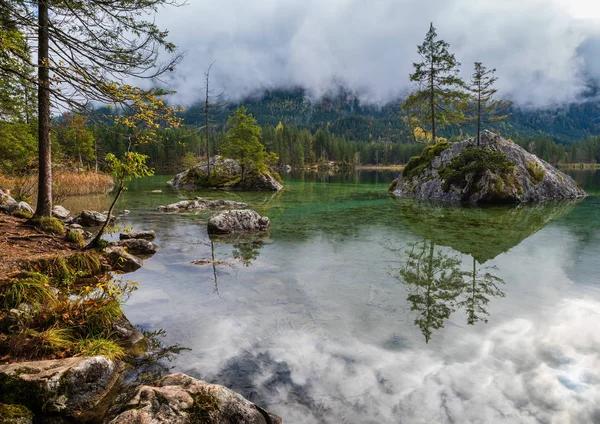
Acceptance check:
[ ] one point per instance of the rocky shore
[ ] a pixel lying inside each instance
(67, 349)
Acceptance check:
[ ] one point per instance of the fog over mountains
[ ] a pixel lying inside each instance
(545, 55)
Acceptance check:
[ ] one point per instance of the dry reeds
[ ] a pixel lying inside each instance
(64, 183)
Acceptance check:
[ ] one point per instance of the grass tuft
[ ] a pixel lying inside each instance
(22, 214)
(99, 346)
(34, 289)
(48, 224)
(76, 237)
(51, 340)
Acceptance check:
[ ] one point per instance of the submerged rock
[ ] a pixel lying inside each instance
(237, 221)
(225, 174)
(498, 171)
(146, 235)
(180, 399)
(60, 212)
(200, 204)
(73, 388)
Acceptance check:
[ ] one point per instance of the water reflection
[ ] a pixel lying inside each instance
(481, 232)
(438, 286)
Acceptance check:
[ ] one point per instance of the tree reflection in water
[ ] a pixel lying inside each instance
(438, 286)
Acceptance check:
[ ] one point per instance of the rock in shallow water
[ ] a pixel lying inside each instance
(180, 399)
(121, 260)
(137, 246)
(90, 219)
(237, 221)
(60, 212)
(146, 235)
(530, 179)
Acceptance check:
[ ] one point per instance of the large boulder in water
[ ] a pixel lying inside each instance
(237, 221)
(225, 174)
(180, 399)
(497, 171)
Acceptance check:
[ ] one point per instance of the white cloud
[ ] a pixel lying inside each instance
(370, 46)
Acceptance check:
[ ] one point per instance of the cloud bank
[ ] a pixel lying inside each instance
(543, 55)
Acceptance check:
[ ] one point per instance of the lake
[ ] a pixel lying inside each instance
(358, 307)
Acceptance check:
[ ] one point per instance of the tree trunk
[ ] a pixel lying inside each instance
(44, 200)
(431, 101)
(479, 114)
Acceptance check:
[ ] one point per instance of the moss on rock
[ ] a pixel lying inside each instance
(536, 171)
(10, 413)
(417, 164)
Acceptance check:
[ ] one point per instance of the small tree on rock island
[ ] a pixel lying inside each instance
(438, 100)
(487, 110)
(242, 142)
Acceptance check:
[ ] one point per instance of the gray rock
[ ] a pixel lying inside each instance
(6, 199)
(125, 212)
(532, 179)
(121, 260)
(180, 399)
(60, 212)
(237, 221)
(75, 227)
(127, 332)
(73, 388)
(24, 207)
(146, 235)
(90, 219)
(137, 246)
(200, 204)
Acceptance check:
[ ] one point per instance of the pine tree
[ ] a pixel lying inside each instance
(438, 100)
(487, 109)
(85, 52)
(242, 142)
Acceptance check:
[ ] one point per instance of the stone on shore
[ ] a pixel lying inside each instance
(90, 218)
(237, 221)
(180, 399)
(73, 388)
(60, 212)
(137, 246)
(121, 260)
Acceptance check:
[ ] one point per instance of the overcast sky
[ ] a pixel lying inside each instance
(544, 50)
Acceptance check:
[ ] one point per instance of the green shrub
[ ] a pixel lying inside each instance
(417, 164)
(48, 224)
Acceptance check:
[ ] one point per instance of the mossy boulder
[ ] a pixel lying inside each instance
(15, 414)
(74, 388)
(180, 399)
(225, 174)
(496, 171)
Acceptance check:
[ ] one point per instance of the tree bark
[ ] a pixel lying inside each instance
(44, 201)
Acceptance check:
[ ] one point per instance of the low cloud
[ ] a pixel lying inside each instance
(543, 55)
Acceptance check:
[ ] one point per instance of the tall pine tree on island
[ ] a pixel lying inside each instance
(487, 109)
(438, 100)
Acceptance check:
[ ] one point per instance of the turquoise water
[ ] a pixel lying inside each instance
(360, 307)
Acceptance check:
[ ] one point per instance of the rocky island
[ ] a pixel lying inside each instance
(225, 174)
(496, 171)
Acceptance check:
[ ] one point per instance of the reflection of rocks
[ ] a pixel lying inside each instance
(483, 232)
(237, 221)
(180, 399)
(73, 388)
(200, 204)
